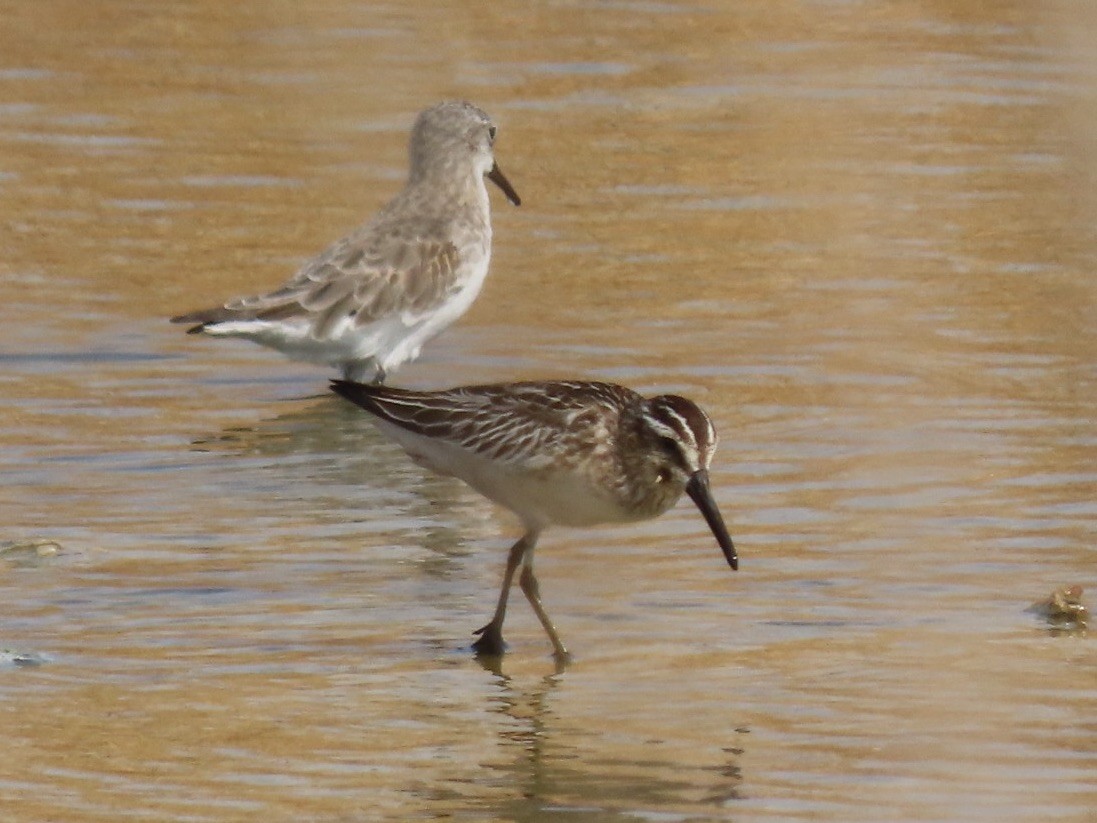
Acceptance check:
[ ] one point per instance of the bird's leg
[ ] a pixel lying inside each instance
(528, 582)
(491, 635)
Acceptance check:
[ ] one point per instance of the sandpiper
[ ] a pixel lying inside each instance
(369, 302)
(554, 453)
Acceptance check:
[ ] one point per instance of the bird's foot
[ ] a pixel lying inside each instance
(561, 661)
(491, 640)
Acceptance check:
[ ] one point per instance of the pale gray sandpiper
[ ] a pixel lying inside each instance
(555, 453)
(368, 303)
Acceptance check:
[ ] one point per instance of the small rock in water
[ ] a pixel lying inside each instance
(11, 657)
(29, 551)
(1064, 607)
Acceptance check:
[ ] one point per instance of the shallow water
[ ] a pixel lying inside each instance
(861, 235)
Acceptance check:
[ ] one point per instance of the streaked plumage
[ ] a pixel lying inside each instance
(368, 303)
(568, 453)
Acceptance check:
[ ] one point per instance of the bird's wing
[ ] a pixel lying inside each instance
(378, 271)
(527, 425)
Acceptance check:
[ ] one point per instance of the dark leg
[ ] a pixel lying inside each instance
(528, 582)
(491, 635)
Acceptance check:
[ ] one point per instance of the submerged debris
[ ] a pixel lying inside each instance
(1064, 609)
(29, 551)
(11, 657)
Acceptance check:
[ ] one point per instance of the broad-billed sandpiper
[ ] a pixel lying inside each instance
(369, 302)
(554, 453)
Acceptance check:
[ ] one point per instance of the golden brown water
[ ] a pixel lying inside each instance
(860, 234)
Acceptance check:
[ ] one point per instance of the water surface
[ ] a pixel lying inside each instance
(860, 235)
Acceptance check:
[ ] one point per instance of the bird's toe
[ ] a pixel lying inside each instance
(490, 641)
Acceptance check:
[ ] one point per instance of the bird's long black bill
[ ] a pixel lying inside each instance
(698, 490)
(497, 177)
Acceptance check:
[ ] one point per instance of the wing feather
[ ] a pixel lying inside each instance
(375, 272)
(523, 424)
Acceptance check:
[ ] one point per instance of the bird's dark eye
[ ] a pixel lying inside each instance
(669, 445)
(663, 476)
(491, 133)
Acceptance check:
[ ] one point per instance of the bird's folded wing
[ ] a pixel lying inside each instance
(361, 280)
(494, 423)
